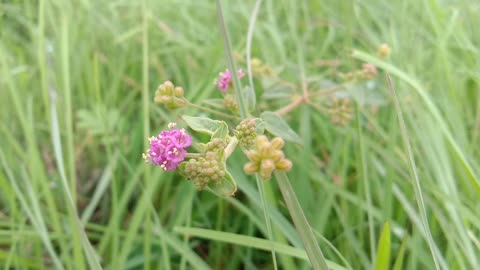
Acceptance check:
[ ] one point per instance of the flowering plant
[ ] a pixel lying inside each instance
(256, 128)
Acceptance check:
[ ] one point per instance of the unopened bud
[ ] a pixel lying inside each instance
(283, 165)
(267, 168)
(384, 50)
(170, 96)
(179, 91)
(278, 143)
(250, 168)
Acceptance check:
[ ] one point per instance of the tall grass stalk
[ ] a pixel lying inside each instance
(413, 171)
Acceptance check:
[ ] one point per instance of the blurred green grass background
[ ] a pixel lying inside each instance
(76, 106)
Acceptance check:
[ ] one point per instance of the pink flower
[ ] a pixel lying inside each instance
(167, 150)
(225, 79)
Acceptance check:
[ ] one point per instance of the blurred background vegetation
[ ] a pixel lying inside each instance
(77, 81)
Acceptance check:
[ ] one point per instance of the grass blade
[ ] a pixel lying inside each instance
(383, 254)
(91, 256)
(303, 227)
(228, 53)
(261, 190)
(251, 28)
(413, 170)
(401, 254)
(430, 105)
(364, 174)
(250, 241)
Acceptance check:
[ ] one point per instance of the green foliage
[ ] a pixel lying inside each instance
(276, 125)
(382, 261)
(101, 62)
(214, 128)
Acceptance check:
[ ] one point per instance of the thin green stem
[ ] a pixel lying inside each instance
(146, 128)
(77, 249)
(368, 196)
(251, 27)
(261, 191)
(212, 111)
(312, 248)
(413, 170)
(228, 53)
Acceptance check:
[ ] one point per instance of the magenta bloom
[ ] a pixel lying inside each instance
(225, 79)
(167, 149)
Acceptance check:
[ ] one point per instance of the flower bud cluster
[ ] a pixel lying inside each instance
(167, 150)
(230, 103)
(170, 95)
(246, 133)
(204, 170)
(368, 72)
(215, 145)
(341, 112)
(267, 157)
(259, 68)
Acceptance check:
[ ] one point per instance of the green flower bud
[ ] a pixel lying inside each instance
(246, 133)
(169, 95)
(230, 103)
(205, 170)
(384, 50)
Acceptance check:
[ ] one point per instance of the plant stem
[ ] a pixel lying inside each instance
(228, 53)
(290, 107)
(261, 191)
(212, 111)
(413, 171)
(312, 248)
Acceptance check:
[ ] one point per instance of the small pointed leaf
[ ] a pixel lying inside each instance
(226, 188)
(383, 253)
(215, 128)
(401, 254)
(278, 127)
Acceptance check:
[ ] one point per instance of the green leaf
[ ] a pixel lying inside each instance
(315, 254)
(249, 241)
(215, 128)
(226, 188)
(275, 90)
(221, 132)
(259, 126)
(383, 253)
(278, 127)
(401, 254)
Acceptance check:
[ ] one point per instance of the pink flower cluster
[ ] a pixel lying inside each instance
(167, 149)
(225, 79)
